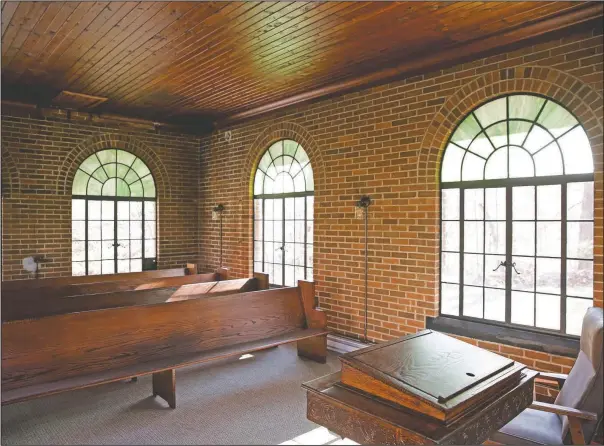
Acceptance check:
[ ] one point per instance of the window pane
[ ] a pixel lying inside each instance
(473, 269)
(580, 201)
(521, 163)
(450, 267)
(80, 183)
(537, 139)
(466, 132)
(299, 254)
(136, 265)
(94, 268)
(108, 230)
(518, 131)
(548, 311)
(125, 157)
(310, 204)
(150, 249)
(495, 238)
(473, 236)
(523, 308)
(123, 250)
(78, 209)
(575, 311)
(498, 134)
(450, 236)
(289, 254)
(277, 274)
(548, 276)
(577, 152)
(309, 256)
(107, 210)
(548, 161)
(78, 251)
(523, 238)
(481, 146)
(497, 165)
(579, 278)
(451, 164)
(472, 301)
(523, 203)
(90, 164)
(108, 267)
(495, 204)
(494, 273)
(107, 250)
(94, 210)
(549, 239)
(494, 304)
(549, 202)
(474, 204)
(136, 210)
(473, 167)
(524, 279)
(78, 269)
(149, 229)
(580, 240)
(136, 189)
(78, 230)
(491, 112)
(123, 230)
(289, 276)
(123, 210)
(525, 106)
(148, 186)
(450, 299)
(150, 210)
(94, 230)
(450, 204)
(556, 119)
(123, 266)
(94, 250)
(136, 249)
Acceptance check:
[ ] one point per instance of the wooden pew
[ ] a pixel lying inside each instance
(76, 350)
(166, 290)
(22, 285)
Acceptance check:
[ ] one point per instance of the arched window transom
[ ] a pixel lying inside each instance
(113, 215)
(283, 214)
(517, 216)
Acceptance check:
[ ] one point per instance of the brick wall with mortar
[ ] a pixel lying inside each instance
(41, 151)
(386, 142)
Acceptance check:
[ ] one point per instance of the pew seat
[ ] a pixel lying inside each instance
(147, 368)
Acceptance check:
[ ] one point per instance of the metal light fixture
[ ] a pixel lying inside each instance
(217, 213)
(362, 211)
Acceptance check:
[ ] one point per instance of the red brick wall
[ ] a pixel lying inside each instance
(39, 158)
(386, 142)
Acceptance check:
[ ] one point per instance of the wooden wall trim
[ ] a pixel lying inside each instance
(588, 15)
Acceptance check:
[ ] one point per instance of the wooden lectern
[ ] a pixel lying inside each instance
(425, 388)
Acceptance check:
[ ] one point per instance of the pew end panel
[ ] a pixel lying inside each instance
(191, 269)
(164, 385)
(222, 273)
(262, 279)
(313, 348)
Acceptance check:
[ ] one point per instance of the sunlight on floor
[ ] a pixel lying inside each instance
(319, 436)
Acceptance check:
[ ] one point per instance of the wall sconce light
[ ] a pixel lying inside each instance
(361, 210)
(217, 213)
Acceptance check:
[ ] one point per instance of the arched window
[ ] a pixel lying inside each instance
(113, 215)
(283, 214)
(517, 216)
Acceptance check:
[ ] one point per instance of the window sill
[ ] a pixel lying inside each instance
(551, 343)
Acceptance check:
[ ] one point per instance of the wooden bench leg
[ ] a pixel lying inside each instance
(164, 385)
(314, 348)
(135, 379)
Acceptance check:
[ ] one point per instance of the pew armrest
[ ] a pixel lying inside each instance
(574, 418)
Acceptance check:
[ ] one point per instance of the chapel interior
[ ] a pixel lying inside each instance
(298, 223)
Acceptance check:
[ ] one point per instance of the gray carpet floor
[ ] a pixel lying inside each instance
(255, 400)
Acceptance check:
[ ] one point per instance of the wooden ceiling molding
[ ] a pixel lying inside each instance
(203, 62)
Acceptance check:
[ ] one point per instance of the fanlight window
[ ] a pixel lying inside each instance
(113, 215)
(518, 216)
(514, 137)
(283, 214)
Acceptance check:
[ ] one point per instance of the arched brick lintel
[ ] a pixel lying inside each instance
(568, 90)
(11, 181)
(112, 141)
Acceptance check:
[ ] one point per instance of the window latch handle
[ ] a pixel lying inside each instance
(514, 266)
(500, 265)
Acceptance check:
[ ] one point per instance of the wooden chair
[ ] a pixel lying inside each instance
(577, 412)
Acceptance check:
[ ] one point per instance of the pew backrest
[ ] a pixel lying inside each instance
(48, 349)
(18, 309)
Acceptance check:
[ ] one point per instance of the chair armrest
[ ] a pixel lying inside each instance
(563, 410)
(551, 378)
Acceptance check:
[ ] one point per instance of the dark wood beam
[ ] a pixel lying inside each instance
(591, 13)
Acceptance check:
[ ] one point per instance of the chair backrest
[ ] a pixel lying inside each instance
(583, 388)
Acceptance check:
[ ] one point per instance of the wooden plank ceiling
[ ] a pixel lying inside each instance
(172, 61)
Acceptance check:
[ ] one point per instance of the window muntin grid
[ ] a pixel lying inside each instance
(283, 214)
(114, 220)
(539, 217)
